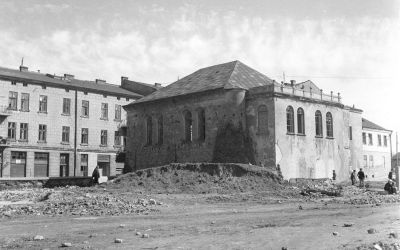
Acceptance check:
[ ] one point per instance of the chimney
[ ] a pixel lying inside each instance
(100, 81)
(123, 79)
(23, 68)
(157, 85)
(68, 76)
(292, 82)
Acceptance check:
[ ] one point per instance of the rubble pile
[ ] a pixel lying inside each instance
(72, 201)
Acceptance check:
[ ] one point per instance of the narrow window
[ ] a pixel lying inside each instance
(117, 139)
(371, 161)
(149, 130)
(104, 111)
(117, 112)
(84, 164)
(385, 140)
(103, 138)
(66, 106)
(329, 125)
(12, 130)
(290, 120)
(201, 126)
(188, 126)
(43, 103)
(65, 134)
(350, 133)
(300, 121)
(370, 142)
(262, 121)
(85, 108)
(160, 125)
(85, 136)
(364, 138)
(42, 132)
(12, 101)
(23, 132)
(318, 124)
(365, 161)
(379, 140)
(25, 102)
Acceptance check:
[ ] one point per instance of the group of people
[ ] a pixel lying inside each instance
(390, 186)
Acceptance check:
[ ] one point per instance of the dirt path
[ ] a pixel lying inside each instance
(237, 225)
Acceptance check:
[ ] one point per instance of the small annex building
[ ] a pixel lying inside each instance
(233, 113)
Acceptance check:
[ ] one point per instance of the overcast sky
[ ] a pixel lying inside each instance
(348, 46)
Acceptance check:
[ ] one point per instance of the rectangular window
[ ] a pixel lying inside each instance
(66, 106)
(117, 112)
(103, 138)
(104, 111)
(13, 100)
(379, 140)
(12, 130)
(25, 102)
(371, 161)
(117, 139)
(43, 103)
(85, 136)
(370, 142)
(385, 140)
(42, 133)
(365, 161)
(23, 131)
(84, 164)
(364, 138)
(85, 108)
(65, 134)
(350, 133)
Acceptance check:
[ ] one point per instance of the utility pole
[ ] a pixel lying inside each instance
(397, 150)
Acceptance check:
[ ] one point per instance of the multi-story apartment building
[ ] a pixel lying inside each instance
(376, 150)
(53, 126)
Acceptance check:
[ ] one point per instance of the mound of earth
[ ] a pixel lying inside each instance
(200, 178)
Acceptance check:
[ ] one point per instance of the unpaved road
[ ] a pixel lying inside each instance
(236, 225)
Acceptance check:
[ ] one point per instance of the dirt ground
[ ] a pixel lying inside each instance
(176, 208)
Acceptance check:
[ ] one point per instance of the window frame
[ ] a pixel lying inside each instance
(12, 100)
(188, 126)
(290, 127)
(149, 130)
(66, 109)
(118, 112)
(12, 131)
(43, 104)
(25, 102)
(301, 129)
(160, 130)
(42, 135)
(85, 136)
(319, 132)
(103, 137)
(117, 139)
(65, 134)
(23, 130)
(104, 111)
(84, 108)
(329, 125)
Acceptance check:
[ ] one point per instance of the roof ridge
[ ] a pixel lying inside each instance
(236, 62)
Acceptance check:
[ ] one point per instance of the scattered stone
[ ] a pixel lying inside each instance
(284, 248)
(335, 225)
(139, 233)
(66, 244)
(152, 202)
(371, 231)
(38, 237)
(86, 242)
(118, 240)
(348, 224)
(212, 222)
(394, 235)
(335, 233)
(377, 247)
(300, 207)
(145, 236)
(122, 226)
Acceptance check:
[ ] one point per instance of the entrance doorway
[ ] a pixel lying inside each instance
(103, 161)
(41, 165)
(64, 165)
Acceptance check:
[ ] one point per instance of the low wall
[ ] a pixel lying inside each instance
(48, 182)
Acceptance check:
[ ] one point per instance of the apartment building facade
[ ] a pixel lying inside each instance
(376, 150)
(55, 126)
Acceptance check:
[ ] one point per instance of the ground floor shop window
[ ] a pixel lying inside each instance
(64, 165)
(41, 165)
(18, 164)
(84, 164)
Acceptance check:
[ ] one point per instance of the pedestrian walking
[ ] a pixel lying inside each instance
(95, 176)
(353, 177)
(361, 177)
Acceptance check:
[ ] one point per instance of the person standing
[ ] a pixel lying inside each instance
(96, 175)
(353, 177)
(361, 177)
(390, 175)
(334, 175)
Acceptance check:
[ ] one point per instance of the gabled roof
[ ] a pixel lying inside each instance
(307, 85)
(89, 86)
(231, 75)
(368, 124)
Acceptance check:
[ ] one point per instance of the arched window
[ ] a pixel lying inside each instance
(290, 120)
(160, 126)
(318, 123)
(188, 126)
(149, 130)
(329, 125)
(262, 121)
(300, 121)
(201, 125)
